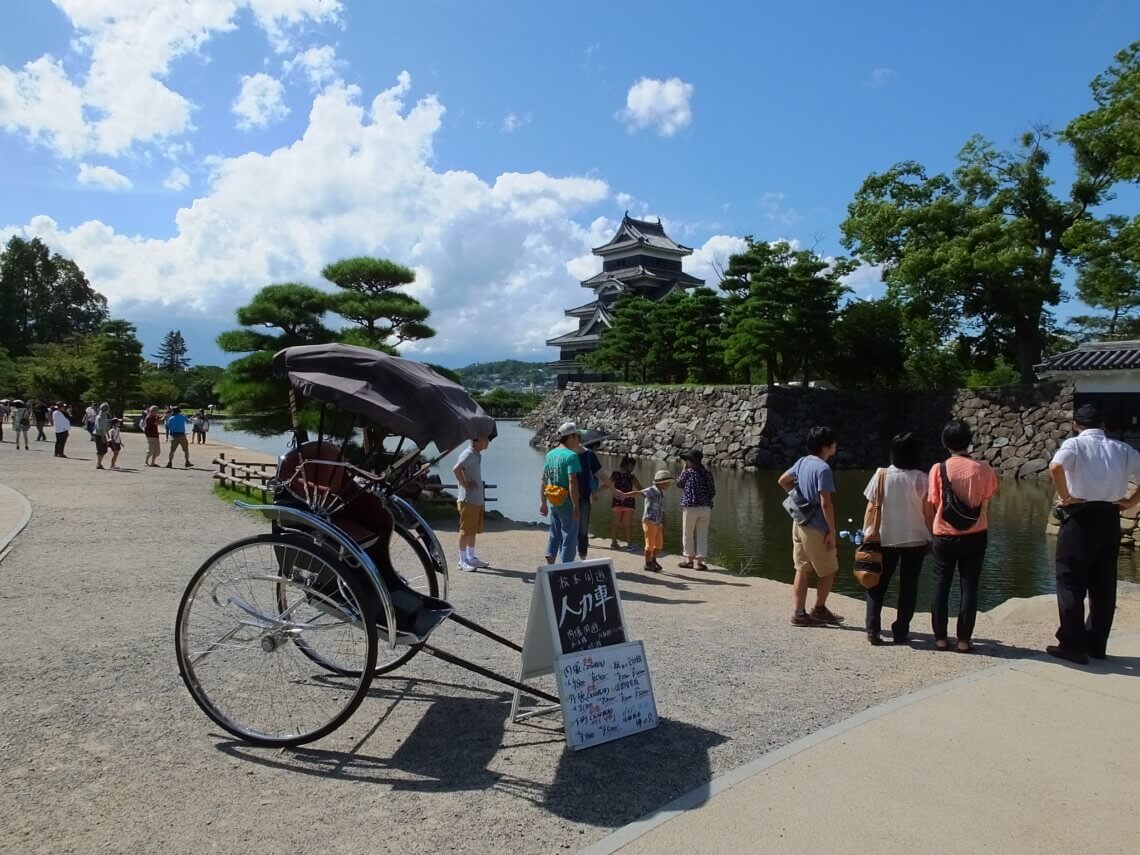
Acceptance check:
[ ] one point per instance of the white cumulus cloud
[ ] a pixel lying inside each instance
(318, 64)
(119, 97)
(103, 176)
(663, 105)
(491, 256)
(260, 102)
(178, 179)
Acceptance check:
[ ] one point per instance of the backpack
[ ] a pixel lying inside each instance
(957, 513)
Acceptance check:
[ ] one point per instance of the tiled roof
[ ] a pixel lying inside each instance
(582, 311)
(1095, 356)
(631, 273)
(644, 233)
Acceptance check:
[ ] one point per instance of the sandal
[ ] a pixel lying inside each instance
(941, 644)
(688, 565)
(965, 647)
(702, 567)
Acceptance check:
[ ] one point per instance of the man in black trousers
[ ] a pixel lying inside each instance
(1091, 474)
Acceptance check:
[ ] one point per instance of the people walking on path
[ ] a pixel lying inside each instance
(99, 434)
(89, 419)
(115, 441)
(960, 491)
(588, 485)
(21, 422)
(653, 517)
(61, 424)
(150, 431)
(813, 540)
(176, 424)
(40, 416)
(697, 491)
(897, 496)
(468, 471)
(1091, 474)
(201, 425)
(559, 492)
(622, 506)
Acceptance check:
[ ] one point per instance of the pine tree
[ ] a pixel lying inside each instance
(171, 356)
(386, 317)
(118, 365)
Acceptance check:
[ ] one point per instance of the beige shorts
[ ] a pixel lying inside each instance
(810, 555)
(153, 446)
(470, 518)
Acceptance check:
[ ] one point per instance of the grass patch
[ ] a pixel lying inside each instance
(229, 495)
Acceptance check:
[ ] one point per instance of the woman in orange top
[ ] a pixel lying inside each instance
(960, 531)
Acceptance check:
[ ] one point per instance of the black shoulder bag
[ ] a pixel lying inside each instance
(956, 512)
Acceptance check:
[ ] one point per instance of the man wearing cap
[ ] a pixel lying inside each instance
(1091, 474)
(559, 494)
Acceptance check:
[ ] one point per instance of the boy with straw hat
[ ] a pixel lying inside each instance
(653, 517)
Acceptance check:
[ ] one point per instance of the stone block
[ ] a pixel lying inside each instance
(1031, 468)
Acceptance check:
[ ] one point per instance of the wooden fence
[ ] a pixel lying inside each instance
(244, 475)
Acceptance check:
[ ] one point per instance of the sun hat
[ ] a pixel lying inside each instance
(693, 455)
(663, 475)
(566, 429)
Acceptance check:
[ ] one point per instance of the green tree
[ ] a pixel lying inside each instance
(61, 371)
(782, 308)
(1108, 274)
(117, 365)
(198, 385)
(624, 347)
(44, 297)
(171, 354)
(870, 346)
(1106, 140)
(368, 298)
(158, 388)
(278, 316)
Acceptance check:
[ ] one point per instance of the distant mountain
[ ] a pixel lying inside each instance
(511, 374)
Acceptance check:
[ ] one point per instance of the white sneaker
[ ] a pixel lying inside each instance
(465, 566)
(478, 563)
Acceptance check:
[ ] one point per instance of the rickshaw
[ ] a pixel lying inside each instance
(279, 636)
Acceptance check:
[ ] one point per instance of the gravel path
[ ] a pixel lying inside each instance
(103, 749)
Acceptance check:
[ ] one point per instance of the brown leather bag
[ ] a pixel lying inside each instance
(869, 554)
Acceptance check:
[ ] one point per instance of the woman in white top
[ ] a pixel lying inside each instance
(904, 530)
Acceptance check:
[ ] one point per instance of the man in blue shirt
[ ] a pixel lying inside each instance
(176, 424)
(813, 543)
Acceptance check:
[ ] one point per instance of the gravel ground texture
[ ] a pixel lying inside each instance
(103, 749)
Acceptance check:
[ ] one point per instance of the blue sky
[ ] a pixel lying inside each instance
(187, 153)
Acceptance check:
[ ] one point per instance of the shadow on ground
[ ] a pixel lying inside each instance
(455, 743)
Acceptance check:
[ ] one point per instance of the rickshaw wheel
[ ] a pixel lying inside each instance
(410, 560)
(238, 650)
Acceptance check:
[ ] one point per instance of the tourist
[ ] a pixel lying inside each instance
(960, 532)
(653, 517)
(1091, 474)
(5, 411)
(559, 490)
(697, 490)
(21, 422)
(89, 420)
(150, 431)
(99, 433)
(624, 482)
(40, 414)
(813, 540)
(588, 485)
(905, 518)
(200, 423)
(176, 425)
(468, 471)
(166, 426)
(61, 424)
(115, 440)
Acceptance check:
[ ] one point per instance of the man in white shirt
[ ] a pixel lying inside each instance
(469, 476)
(1091, 474)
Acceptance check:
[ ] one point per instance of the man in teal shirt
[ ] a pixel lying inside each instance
(176, 424)
(559, 491)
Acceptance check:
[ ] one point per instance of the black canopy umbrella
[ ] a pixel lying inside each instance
(406, 398)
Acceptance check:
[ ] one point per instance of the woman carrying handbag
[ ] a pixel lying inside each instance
(900, 518)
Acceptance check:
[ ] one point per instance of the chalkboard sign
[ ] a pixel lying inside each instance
(606, 694)
(587, 611)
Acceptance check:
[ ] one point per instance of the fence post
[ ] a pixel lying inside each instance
(221, 461)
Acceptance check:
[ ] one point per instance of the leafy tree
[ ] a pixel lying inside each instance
(62, 371)
(870, 346)
(700, 335)
(158, 388)
(290, 314)
(1106, 140)
(117, 366)
(1108, 274)
(1002, 374)
(624, 348)
(198, 385)
(782, 309)
(387, 318)
(171, 354)
(9, 382)
(44, 297)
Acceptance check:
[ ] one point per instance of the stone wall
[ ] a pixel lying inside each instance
(1017, 428)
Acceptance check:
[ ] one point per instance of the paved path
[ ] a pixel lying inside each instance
(15, 511)
(1027, 757)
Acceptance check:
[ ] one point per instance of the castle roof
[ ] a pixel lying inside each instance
(1094, 356)
(630, 274)
(632, 234)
